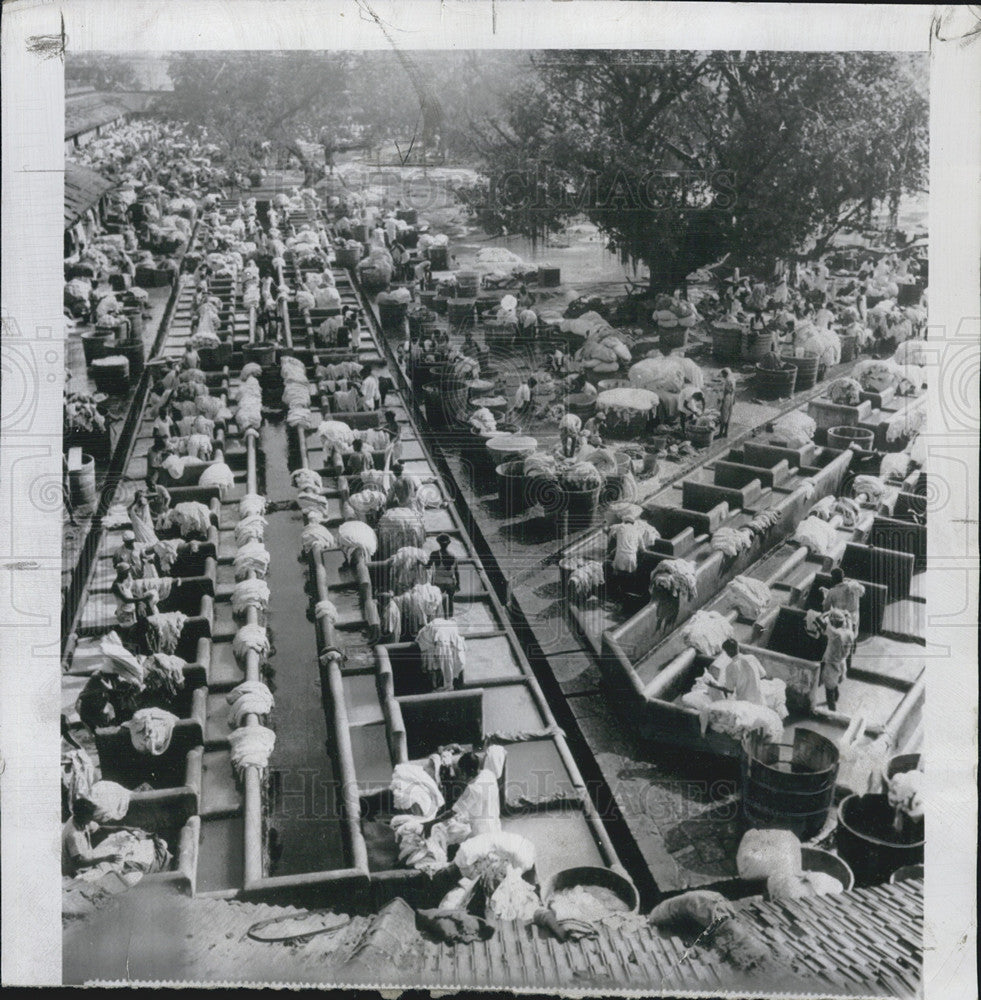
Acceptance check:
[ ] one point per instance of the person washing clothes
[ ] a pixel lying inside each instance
(403, 489)
(839, 629)
(445, 573)
(844, 595)
(727, 400)
(570, 433)
(692, 406)
(522, 397)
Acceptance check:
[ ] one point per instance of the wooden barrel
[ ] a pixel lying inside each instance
(870, 845)
(776, 384)
(348, 257)
(391, 315)
(111, 374)
(261, 352)
(460, 312)
(672, 337)
(81, 479)
(842, 437)
(95, 345)
(790, 787)
(582, 404)
(549, 277)
(807, 371)
(509, 447)
(511, 490)
(757, 345)
(407, 215)
(134, 352)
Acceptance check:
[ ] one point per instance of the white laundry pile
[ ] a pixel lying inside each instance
(307, 479)
(585, 579)
(110, 799)
(250, 594)
(190, 517)
(819, 536)
(252, 557)
(151, 730)
(251, 638)
(220, 475)
(706, 631)
(250, 504)
(165, 631)
(357, 537)
(251, 746)
(251, 528)
(326, 609)
(248, 698)
(796, 428)
(316, 538)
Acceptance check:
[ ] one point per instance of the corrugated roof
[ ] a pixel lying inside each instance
(868, 941)
(90, 110)
(83, 188)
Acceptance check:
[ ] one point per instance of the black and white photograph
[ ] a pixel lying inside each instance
(493, 512)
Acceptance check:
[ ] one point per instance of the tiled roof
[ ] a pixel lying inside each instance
(83, 188)
(90, 110)
(868, 941)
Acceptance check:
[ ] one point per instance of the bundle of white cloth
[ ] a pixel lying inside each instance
(251, 638)
(251, 528)
(251, 747)
(250, 594)
(706, 631)
(248, 698)
(251, 503)
(190, 517)
(316, 537)
(218, 474)
(252, 557)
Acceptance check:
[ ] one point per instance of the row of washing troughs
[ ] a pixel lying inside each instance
(209, 791)
(744, 549)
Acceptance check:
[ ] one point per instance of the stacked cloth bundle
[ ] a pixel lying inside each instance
(199, 446)
(428, 497)
(443, 649)
(111, 801)
(398, 528)
(357, 538)
(251, 639)
(250, 594)
(748, 596)
(157, 586)
(706, 631)
(776, 856)
(164, 631)
(190, 518)
(894, 465)
(677, 577)
(873, 490)
(251, 747)
(796, 428)
(301, 416)
(406, 568)
(419, 606)
(251, 528)
(819, 536)
(907, 421)
(248, 413)
(250, 370)
(307, 479)
(316, 538)
(248, 698)
(585, 580)
(166, 552)
(743, 721)
(251, 504)
(731, 541)
(220, 475)
(252, 557)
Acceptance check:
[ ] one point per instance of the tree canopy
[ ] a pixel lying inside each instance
(683, 157)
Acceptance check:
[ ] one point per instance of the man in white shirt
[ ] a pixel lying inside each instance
(369, 389)
(522, 397)
(570, 429)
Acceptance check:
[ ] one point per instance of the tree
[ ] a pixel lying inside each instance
(682, 158)
(244, 100)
